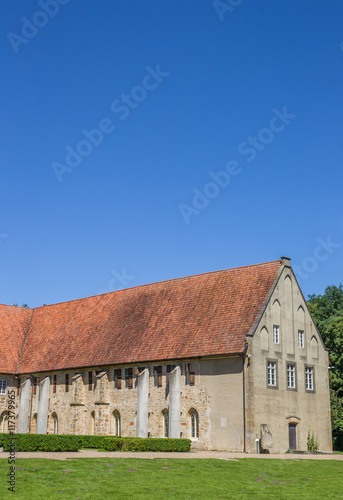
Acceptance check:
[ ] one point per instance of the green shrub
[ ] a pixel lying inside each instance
(95, 441)
(312, 441)
(149, 444)
(61, 442)
(41, 442)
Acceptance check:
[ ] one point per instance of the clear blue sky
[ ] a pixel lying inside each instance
(182, 89)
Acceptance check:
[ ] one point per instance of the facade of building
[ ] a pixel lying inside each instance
(224, 358)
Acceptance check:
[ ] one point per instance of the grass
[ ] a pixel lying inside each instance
(125, 478)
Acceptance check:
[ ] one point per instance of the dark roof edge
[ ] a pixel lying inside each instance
(136, 363)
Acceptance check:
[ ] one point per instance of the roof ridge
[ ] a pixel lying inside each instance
(158, 282)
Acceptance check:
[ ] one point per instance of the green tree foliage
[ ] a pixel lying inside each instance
(327, 312)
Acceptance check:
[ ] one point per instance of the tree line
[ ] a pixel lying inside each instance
(327, 312)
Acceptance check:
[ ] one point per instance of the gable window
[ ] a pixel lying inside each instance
(54, 385)
(129, 378)
(117, 378)
(67, 382)
(309, 378)
(90, 381)
(189, 375)
(301, 338)
(158, 376)
(276, 334)
(271, 373)
(3, 386)
(35, 380)
(194, 424)
(291, 376)
(170, 368)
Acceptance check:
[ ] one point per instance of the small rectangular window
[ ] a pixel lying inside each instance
(18, 386)
(67, 382)
(301, 338)
(117, 378)
(129, 378)
(272, 373)
(54, 384)
(158, 376)
(276, 334)
(3, 386)
(309, 378)
(189, 375)
(35, 385)
(291, 376)
(170, 368)
(90, 381)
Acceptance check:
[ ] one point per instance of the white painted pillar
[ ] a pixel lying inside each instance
(24, 407)
(43, 406)
(142, 404)
(175, 403)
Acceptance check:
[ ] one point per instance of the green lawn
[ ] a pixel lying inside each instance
(120, 478)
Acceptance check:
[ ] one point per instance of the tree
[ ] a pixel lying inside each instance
(327, 312)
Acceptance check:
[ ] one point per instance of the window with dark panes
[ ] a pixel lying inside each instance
(129, 378)
(90, 381)
(117, 378)
(189, 375)
(34, 385)
(158, 376)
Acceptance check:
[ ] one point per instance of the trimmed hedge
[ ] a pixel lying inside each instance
(40, 442)
(96, 441)
(62, 442)
(149, 444)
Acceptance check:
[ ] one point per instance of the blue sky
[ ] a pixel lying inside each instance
(144, 141)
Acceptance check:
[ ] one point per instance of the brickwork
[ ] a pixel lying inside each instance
(91, 410)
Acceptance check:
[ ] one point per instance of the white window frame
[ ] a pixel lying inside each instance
(271, 373)
(290, 376)
(309, 380)
(194, 416)
(55, 424)
(117, 424)
(301, 336)
(276, 334)
(3, 386)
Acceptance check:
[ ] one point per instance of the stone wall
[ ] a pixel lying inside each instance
(280, 406)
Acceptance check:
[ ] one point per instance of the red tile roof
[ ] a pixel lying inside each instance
(14, 324)
(203, 315)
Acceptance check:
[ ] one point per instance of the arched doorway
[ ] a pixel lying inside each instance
(293, 433)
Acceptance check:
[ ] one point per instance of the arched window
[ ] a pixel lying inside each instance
(165, 419)
(92, 423)
(116, 424)
(4, 422)
(194, 416)
(33, 423)
(55, 423)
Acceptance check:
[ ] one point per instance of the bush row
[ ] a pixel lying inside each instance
(40, 442)
(149, 444)
(59, 442)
